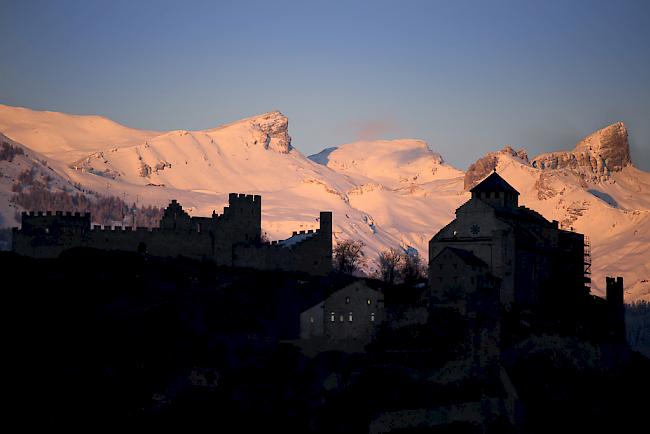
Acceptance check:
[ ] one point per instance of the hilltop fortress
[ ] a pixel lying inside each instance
(232, 238)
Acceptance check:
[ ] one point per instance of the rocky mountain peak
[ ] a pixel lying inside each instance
(594, 157)
(610, 144)
(483, 166)
(274, 127)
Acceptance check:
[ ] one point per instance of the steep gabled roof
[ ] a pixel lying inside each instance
(494, 183)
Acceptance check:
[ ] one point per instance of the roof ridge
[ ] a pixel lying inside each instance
(493, 182)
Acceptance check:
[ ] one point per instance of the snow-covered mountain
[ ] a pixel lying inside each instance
(387, 193)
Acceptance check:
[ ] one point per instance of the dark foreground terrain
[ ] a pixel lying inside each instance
(106, 337)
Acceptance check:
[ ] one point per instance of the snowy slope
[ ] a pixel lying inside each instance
(66, 137)
(40, 168)
(393, 163)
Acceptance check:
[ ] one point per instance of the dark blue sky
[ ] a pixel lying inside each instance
(468, 77)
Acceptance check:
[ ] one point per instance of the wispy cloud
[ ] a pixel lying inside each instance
(373, 129)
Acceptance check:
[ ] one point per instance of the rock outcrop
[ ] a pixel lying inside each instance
(594, 157)
(483, 166)
(274, 127)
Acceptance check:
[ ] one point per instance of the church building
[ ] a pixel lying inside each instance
(493, 235)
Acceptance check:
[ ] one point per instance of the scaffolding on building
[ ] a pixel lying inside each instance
(587, 262)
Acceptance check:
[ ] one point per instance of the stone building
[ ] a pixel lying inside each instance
(231, 238)
(534, 260)
(455, 273)
(351, 313)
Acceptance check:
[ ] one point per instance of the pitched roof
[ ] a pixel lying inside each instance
(494, 183)
(466, 256)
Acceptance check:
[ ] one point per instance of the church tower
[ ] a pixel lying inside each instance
(496, 191)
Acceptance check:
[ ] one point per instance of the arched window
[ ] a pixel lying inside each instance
(350, 317)
(372, 317)
(332, 317)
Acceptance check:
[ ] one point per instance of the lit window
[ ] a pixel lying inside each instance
(341, 318)
(347, 300)
(311, 319)
(369, 302)
(332, 317)
(350, 317)
(372, 317)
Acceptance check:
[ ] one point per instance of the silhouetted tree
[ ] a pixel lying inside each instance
(389, 265)
(348, 255)
(412, 269)
(637, 319)
(8, 152)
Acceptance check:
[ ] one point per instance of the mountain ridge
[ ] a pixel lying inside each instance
(386, 193)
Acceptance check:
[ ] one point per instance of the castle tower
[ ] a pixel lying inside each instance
(245, 213)
(615, 306)
(326, 223)
(325, 234)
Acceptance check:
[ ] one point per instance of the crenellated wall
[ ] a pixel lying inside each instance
(231, 238)
(309, 251)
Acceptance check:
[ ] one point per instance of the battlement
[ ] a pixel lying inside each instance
(25, 214)
(242, 197)
(43, 221)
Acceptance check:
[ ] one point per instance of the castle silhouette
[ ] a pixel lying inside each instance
(232, 238)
